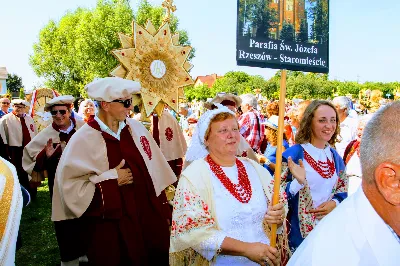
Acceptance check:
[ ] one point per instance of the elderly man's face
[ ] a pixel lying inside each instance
(5, 104)
(19, 109)
(118, 109)
(341, 112)
(61, 116)
(245, 107)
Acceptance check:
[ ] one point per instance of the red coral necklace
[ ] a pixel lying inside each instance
(241, 191)
(325, 169)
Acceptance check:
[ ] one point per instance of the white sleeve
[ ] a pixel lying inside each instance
(110, 174)
(295, 187)
(209, 247)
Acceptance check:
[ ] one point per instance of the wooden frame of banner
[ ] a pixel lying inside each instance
(278, 165)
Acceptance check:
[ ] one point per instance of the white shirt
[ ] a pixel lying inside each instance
(353, 170)
(106, 129)
(348, 131)
(241, 221)
(353, 234)
(320, 188)
(69, 129)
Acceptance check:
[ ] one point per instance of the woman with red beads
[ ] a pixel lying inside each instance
(315, 182)
(222, 212)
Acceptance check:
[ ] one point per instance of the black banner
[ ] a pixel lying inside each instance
(283, 34)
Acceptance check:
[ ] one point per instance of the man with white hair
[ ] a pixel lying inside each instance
(364, 229)
(17, 129)
(250, 122)
(112, 175)
(348, 125)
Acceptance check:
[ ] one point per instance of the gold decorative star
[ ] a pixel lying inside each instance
(157, 61)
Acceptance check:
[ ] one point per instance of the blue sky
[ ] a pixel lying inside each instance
(364, 36)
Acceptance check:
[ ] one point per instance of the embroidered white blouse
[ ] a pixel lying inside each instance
(241, 221)
(321, 188)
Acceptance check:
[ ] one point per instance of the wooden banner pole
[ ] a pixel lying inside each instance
(278, 166)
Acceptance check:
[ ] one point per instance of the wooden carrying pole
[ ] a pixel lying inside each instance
(278, 165)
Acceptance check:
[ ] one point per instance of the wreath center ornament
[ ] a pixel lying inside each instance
(158, 69)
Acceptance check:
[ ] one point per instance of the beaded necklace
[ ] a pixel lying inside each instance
(241, 191)
(325, 169)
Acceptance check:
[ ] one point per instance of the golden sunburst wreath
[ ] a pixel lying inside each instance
(158, 62)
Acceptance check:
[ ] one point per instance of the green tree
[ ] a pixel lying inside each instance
(287, 32)
(263, 17)
(73, 51)
(21, 93)
(303, 34)
(319, 15)
(14, 83)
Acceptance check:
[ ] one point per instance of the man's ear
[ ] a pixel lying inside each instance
(387, 177)
(105, 105)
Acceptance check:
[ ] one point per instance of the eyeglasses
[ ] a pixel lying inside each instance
(127, 103)
(62, 112)
(5, 103)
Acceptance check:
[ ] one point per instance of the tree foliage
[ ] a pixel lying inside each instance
(320, 18)
(73, 51)
(298, 85)
(303, 34)
(14, 83)
(287, 32)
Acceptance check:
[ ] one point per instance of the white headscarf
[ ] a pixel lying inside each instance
(197, 149)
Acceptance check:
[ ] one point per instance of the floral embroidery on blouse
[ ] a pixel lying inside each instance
(190, 212)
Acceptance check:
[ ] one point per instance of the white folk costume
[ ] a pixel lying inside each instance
(317, 190)
(205, 212)
(17, 132)
(128, 224)
(11, 203)
(353, 234)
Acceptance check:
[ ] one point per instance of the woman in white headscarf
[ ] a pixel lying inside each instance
(222, 212)
(87, 108)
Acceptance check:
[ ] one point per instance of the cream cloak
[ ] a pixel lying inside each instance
(172, 141)
(85, 158)
(11, 131)
(37, 144)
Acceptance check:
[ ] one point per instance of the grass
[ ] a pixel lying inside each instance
(39, 244)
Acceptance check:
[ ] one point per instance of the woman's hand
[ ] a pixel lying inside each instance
(262, 254)
(297, 170)
(275, 214)
(324, 209)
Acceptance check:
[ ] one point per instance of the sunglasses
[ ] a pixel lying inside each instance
(62, 112)
(127, 103)
(5, 103)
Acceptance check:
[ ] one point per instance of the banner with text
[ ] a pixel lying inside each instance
(283, 34)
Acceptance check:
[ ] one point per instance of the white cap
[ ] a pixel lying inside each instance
(20, 101)
(60, 100)
(112, 88)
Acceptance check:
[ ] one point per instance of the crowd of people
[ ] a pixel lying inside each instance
(196, 187)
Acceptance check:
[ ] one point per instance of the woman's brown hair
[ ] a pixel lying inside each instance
(305, 131)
